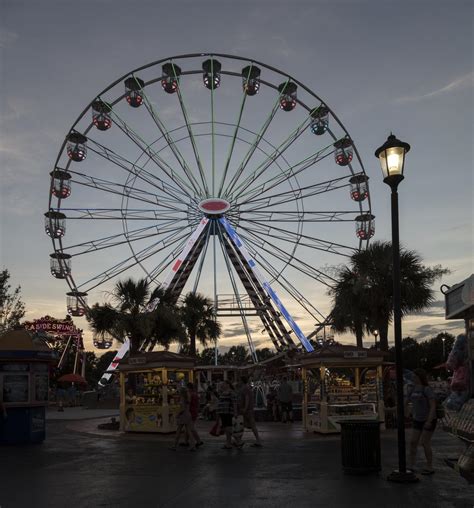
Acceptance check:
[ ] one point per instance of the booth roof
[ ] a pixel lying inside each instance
(339, 351)
(20, 340)
(158, 358)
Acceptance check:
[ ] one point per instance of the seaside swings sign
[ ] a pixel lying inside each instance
(53, 326)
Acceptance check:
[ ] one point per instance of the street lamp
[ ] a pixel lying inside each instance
(392, 160)
(376, 334)
(444, 348)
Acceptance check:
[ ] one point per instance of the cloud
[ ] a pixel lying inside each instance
(431, 330)
(7, 38)
(457, 84)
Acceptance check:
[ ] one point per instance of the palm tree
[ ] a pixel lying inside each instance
(131, 316)
(199, 320)
(349, 310)
(364, 291)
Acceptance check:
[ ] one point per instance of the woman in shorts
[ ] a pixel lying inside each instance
(423, 413)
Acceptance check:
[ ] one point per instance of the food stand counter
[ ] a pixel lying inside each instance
(149, 390)
(341, 383)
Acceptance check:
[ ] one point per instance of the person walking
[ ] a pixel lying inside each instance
(285, 398)
(423, 412)
(226, 409)
(246, 409)
(194, 410)
(184, 421)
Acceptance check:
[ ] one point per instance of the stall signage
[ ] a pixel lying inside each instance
(53, 326)
(137, 360)
(355, 354)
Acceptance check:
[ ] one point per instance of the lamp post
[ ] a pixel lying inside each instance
(392, 160)
(376, 334)
(444, 348)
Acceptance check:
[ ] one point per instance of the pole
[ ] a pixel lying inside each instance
(402, 475)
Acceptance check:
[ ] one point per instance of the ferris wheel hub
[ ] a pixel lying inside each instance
(214, 206)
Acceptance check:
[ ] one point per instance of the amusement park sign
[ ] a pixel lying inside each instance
(50, 325)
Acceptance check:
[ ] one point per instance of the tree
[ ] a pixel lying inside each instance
(371, 270)
(237, 355)
(207, 357)
(12, 309)
(199, 320)
(426, 354)
(349, 310)
(264, 354)
(131, 317)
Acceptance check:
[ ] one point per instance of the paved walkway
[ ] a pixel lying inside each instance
(79, 413)
(78, 466)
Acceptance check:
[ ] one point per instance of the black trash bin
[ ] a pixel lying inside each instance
(360, 446)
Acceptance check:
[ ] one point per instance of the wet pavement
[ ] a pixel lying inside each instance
(81, 466)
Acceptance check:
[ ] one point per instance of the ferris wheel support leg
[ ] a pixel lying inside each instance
(265, 284)
(64, 353)
(114, 364)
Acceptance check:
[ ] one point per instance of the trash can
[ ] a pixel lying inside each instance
(360, 446)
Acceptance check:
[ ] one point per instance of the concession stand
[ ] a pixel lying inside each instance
(24, 386)
(149, 390)
(341, 383)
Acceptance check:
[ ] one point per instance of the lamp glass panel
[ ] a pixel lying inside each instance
(391, 161)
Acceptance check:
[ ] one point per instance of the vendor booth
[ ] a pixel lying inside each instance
(24, 386)
(341, 383)
(149, 390)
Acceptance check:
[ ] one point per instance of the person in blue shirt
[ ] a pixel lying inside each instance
(423, 413)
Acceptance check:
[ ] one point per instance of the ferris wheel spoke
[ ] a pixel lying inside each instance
(113, 240)
(284, 197)
(117, 188)
(138, 172)
(232, 145)
(303, 240)
(192, 140)
(155, 215)
(167, 260)
(126, 264)
(153, 155)
(278, 152)
(296, 216)
(235, 178)
(171, 143)
(291, 172)
(290, 288)
(289, 260)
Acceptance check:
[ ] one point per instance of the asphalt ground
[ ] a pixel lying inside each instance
(80, 466)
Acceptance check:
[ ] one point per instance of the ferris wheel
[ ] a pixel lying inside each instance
(210, 173)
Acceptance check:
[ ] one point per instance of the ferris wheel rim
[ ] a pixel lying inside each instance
(69, 277)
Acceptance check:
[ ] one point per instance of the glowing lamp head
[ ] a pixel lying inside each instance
(392, 158)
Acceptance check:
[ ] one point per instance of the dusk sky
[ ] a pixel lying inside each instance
(381, 66)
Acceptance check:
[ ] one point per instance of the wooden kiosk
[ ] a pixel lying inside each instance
(149, 390)
(24, 386)
(341, 383)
